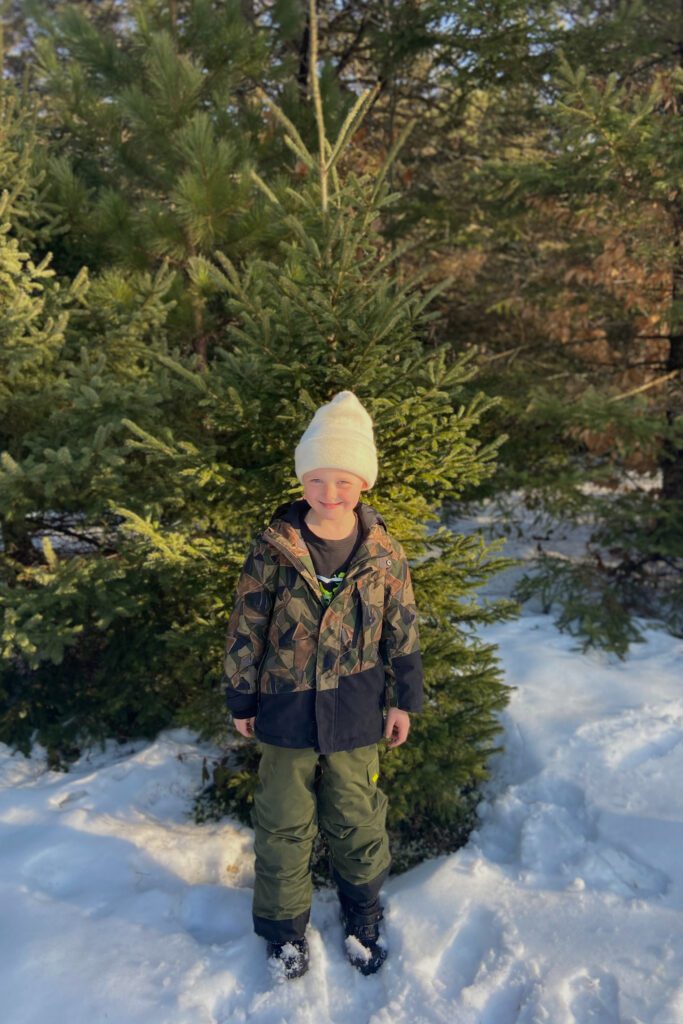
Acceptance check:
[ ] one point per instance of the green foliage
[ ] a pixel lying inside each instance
(318, 321)
(582, 230)
(632, 570)
(84, 623)
(592, 606)
(134, 476)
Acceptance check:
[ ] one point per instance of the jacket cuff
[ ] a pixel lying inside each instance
(242, 705)
(408, 687)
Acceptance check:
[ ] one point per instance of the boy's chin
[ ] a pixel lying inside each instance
(334, 515)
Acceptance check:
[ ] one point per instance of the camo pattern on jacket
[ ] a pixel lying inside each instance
(314, 675)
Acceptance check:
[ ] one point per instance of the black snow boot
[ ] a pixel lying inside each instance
(364, 946)
(288, 959)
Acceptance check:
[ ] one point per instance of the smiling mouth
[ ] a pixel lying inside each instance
(327, 504)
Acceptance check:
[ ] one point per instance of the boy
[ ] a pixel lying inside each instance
(322, 642)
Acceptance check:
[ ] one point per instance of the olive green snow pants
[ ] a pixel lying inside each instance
(297, 790)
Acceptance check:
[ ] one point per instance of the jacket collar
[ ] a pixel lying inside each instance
(284, 533)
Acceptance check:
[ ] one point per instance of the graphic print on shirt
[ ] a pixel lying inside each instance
(329, 585)
(331, 557)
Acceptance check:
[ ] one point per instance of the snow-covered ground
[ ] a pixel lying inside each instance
(565, 907)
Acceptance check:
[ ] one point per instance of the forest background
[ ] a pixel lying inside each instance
(214, 216)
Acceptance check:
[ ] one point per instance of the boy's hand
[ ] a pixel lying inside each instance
(245, 726)
(397, 727)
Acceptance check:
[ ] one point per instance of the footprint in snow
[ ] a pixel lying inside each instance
(605, 867)
(594, 998)
(474, 947)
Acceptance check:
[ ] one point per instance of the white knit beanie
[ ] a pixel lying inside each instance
(339, 436)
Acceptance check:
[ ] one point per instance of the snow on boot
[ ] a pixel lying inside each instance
(365, 947)
(288, 959)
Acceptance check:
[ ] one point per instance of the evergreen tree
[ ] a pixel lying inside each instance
(76, 355)
(148, 112)
(326, 315)
(579, 239)
(157, 469)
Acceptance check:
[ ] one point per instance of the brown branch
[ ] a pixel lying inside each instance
(349, 51)
(508, 352)
(645, 387)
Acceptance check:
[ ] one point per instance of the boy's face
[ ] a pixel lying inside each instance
(332, 493)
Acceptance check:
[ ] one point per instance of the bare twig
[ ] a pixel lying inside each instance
(645, 387)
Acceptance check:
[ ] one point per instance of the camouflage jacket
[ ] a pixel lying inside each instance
(317, 676)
